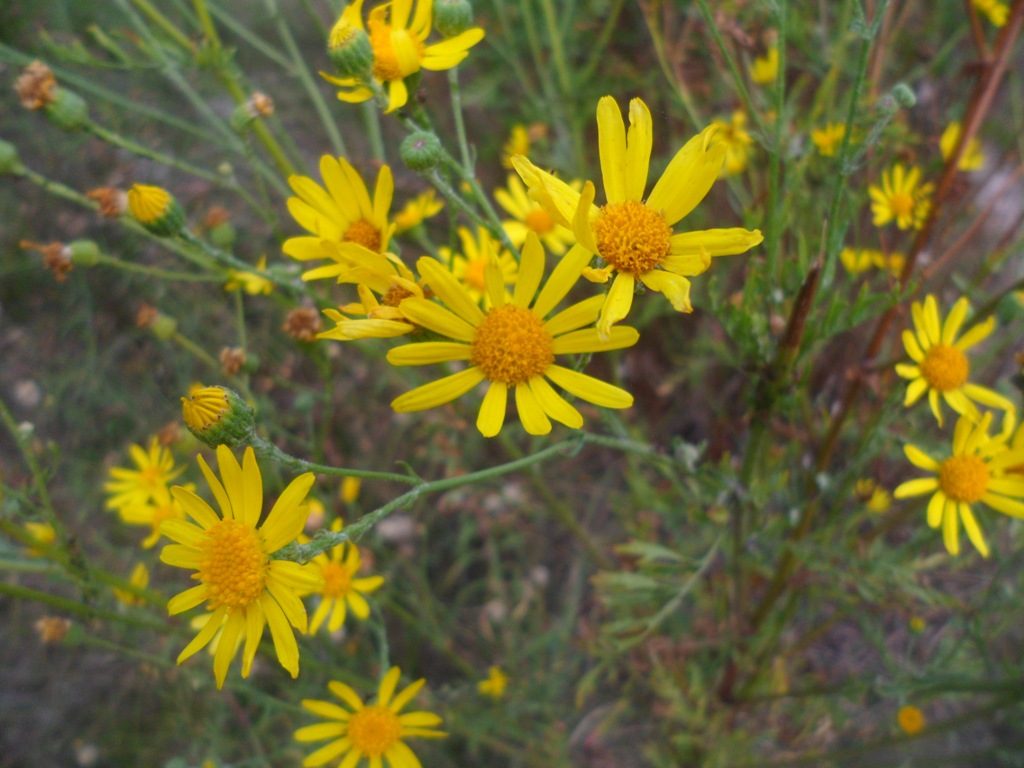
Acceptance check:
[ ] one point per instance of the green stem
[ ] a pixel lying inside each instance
(773, 242)
(270, 451)
(460, 124)
(75, 608)
(150, 12)
(557, 52)
(156, 272)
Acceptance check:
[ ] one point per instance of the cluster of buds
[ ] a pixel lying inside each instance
(37, 88)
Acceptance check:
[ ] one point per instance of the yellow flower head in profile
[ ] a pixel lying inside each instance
(132, 487)
(941, 368)
(42, 534)
(910, 720)
(977, 469)
(765, 68)
(398, 35)
(518, 143)
(635, 237)
(152, 514)
(342, 590)
(375, 732)
(859, 260)
(737, 141)
(972, 159)
(495, 683)
(416, 211)
(469, 265)
(996, 11)
(139, 579)
(901, 198)
(340, 217)
(511, 345)
(828, 139)
(243, 587)
(252, 283)
(528, 216)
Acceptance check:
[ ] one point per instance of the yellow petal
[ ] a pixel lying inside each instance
(918, 487)
(717, 242)
(589, 340)
(429, 352)
(576, 316)
(616, 304)
(492, 409)
(437, 319)
(438, 392)
(638, 149)
(973, 529)
(688, 177)
(611, 142)
(565, 275)
(531, 271)
(954, 320)
(588, 388)
(554, 405)
(675, 288)
(581, 222)
(449, 290)
(531, 415)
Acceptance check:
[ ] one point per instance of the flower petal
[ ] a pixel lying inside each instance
(588, 388)
(429, 352)
(531, 271)
(617, 303)
(564, 276)
(531, 414)
(436, 318)
(288, 515)
(492, 409)
(449, 290)
(438, 392)
(611, 142)
(589, 340)
(638, 149)
(688, 177)
(554, 405)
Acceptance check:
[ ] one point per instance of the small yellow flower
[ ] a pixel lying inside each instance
(342, 218)
(910, 720)
(940, 366)
(875, 498)
(133, 487)
(219, 416)
(510, 344)
(518, 144)
(828, 139)
(350, 489)
(374, 732)
(416, 211)
(528, 216)
(737, 141)
(469, 266)
(244, 588)
(765, 68)
(632, 235)
(997, 12)
(153, 513)
(972, 158)
(495, 683)
(341, 591)
(398, 36)
(917, 625)
(858, 260)
(250, 282)
(901, 198)
(43, 534)
(155, 209)
(140, 579)
(977, 469)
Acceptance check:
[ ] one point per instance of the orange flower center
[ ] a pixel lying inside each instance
(396, 53)
(902, 204)
(964, 478)
(512, 345)
(374, 730)
(337, 580)
(365, 234)
(233, 564)
(474, 275)
(632, 237)
(945, 367)
(394, 295)
(539, 221)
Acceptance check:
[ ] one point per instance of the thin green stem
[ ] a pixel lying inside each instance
(268, 450)
(150, 12)
(75, 608)
(557, 52)
(156, 272)
(460, 123)
(773, 242)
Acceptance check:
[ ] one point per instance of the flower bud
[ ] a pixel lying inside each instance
(421, 151)
(156, 210)
(164, 326)
(84, 253)
(349, 48)
(452, 17)
(68, 110)
(219, 416)
(9, 162)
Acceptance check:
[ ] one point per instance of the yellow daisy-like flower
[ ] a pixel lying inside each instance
(997, 12)
(828, 139)
(341, 217)
(384, 275)
(478, 252)
(495, 683)
(737, 141)
(416, 211)
(941, 368)
(140, 579)
(341, 590)
(398, 36)
(972, 159)
(634, 237)
(765, 68)
(901, 198)
(152, 514)
(132, 487)
(43, 534)
(243, 587)
(518, 144)
(250, 282)
(910, 720)
(511, 345)
(375, 732)
(528, 216)
(976, 470)
(858, 260)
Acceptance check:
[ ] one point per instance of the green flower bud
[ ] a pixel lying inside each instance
(68, 110)
(904, 95)
(164, 327)
(156, 210)
(84, 253)
(9, 162)
(421, 151)
(223, 235)
(349, 48)
(219, 416)
(452, 17)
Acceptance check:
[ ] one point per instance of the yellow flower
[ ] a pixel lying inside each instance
(386, 276)
(518, 144)
(43, 534)
(140, 579)
(341, 217)
(155, 209)
(635, 238)
(941, 367)
(495, 684)
(972, 158)
(901, 198)
(765, 68)
(977, 469)
(828, 139)
(132, 487)
(374, 732)
(997, 12)
(350, 489)
(510, 344)
(469, 266)
(876, 498)
(250, 282)
(528, 216)
(243, 587)
(858, 260)
(398, 36)
(162, 507)
(340, 589)
(416, 211)
(910, 720)
(737, 141)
